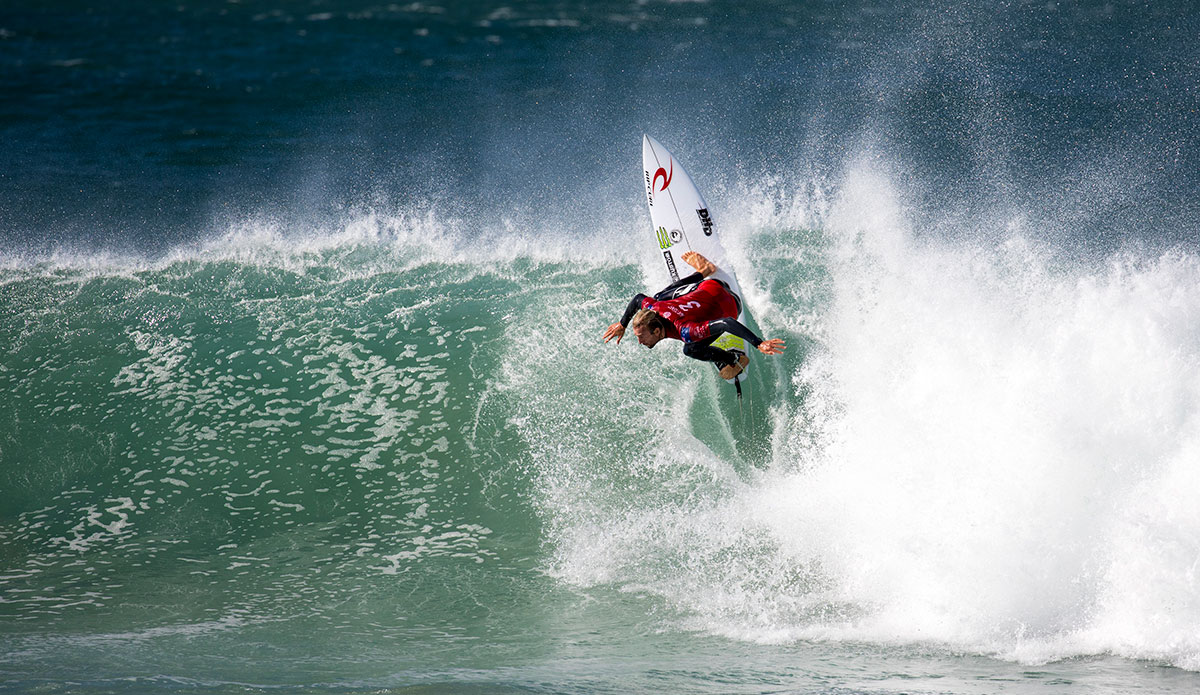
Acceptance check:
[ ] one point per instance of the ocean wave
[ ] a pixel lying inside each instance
(977, 441)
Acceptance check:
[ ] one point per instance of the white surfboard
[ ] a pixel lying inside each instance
(681, 223)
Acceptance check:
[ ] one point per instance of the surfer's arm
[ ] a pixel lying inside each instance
(632, 308)
(617, 330)
(711, 329)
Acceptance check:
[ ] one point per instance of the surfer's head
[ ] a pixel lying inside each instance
(648, 327)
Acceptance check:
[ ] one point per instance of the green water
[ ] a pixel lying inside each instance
(320, 460)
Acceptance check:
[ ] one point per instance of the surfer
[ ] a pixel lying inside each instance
(696, 309)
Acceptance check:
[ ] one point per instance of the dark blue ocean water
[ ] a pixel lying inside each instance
(151, 124)
(302, 386)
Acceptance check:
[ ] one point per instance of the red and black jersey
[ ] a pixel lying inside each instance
(690, 314)
(696, 310)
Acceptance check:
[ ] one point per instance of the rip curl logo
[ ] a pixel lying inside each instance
(666, 176)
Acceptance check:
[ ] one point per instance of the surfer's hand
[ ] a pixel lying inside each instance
(700, 263)
(774, 346)
(614, 331)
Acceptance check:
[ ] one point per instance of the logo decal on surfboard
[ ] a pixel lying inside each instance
(706, 222)
(666, 176)
(664, 238)
(671, 265)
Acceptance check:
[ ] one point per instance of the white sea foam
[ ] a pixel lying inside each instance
(1009, 440)
(994, 447)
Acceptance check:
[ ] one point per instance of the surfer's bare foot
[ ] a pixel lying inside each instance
(731, 370)
(700, 263)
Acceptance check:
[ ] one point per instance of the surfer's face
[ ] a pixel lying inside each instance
(648, 336)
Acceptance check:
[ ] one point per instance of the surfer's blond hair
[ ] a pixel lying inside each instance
(645, 318)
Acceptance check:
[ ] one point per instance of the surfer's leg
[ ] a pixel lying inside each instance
(680, 287)
(729, 363)
(705, 352)
(693, 279)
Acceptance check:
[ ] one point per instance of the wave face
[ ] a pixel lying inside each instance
(303, 386)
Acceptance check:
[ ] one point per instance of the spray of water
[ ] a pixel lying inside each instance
(992, 447)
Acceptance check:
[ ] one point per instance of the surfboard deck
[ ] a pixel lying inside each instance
(682, 222)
